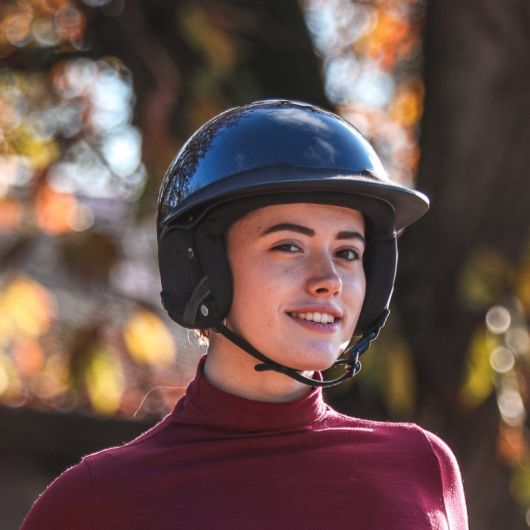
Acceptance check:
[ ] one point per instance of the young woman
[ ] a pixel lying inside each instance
(277, 238)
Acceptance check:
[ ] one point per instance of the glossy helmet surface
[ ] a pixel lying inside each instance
(271, 152)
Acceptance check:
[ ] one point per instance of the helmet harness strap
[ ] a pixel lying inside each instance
(351, 363)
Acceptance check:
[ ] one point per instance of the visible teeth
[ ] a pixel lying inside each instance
(323, 318)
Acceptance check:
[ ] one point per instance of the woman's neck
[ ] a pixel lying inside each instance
(232, 370)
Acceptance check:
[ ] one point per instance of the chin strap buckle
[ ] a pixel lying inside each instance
(355, 350)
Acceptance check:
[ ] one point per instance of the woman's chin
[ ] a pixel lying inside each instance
(305, 363)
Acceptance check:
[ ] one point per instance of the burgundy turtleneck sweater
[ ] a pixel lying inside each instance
(219, 461)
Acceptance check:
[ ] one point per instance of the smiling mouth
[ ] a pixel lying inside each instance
(321, 318)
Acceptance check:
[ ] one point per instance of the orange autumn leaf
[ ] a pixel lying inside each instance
(53, 211)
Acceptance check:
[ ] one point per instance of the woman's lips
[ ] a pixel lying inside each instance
(322, 321)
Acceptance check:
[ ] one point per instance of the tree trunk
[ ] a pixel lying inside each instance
(474, 166)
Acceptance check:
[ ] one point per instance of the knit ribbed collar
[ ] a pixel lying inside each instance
(206, 405)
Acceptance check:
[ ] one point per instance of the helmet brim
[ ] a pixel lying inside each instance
(408, 205)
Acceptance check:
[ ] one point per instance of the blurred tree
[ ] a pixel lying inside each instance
(469, 251)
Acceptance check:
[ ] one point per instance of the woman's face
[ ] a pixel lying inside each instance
(298, 281)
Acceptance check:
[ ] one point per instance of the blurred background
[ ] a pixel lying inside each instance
(96, 97)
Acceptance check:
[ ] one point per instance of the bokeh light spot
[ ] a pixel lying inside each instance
(52, 209)
(498, 319)
(511, 407)
(502, 360)
(105, 382)
(80, 217)
(27, 306)
(122, 151)
(148, 340)
(44, 33)
(518, 339)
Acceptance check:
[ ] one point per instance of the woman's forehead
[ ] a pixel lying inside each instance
(310, 214)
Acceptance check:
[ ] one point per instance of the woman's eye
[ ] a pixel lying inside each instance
(287, 247)
(349, 254)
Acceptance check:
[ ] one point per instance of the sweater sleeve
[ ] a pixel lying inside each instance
(67, 503)
(453, 489)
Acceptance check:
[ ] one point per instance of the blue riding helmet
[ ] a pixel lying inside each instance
(273, 152)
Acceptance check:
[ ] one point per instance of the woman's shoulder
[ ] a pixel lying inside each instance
(69, 501)
(415, 449)
(396, 433)
(66, 503)
(334, 417)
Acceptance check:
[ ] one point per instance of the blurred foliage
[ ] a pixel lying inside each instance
(85, 134)
(371, 53)
(79, 262)
(498, 360)
(478, 384)
(104, 381)
(77, 321)
(485, 278)
(148, 340)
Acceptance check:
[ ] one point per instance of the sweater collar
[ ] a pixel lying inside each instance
(206, 405)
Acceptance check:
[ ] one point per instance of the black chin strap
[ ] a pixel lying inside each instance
(351, 363)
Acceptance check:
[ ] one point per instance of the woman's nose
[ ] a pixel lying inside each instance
(322, 276)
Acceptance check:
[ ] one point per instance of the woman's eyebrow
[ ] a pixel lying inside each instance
(345, 234)
(291, 227)
(351, 235)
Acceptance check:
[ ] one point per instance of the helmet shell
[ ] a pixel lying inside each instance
(268, 152)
